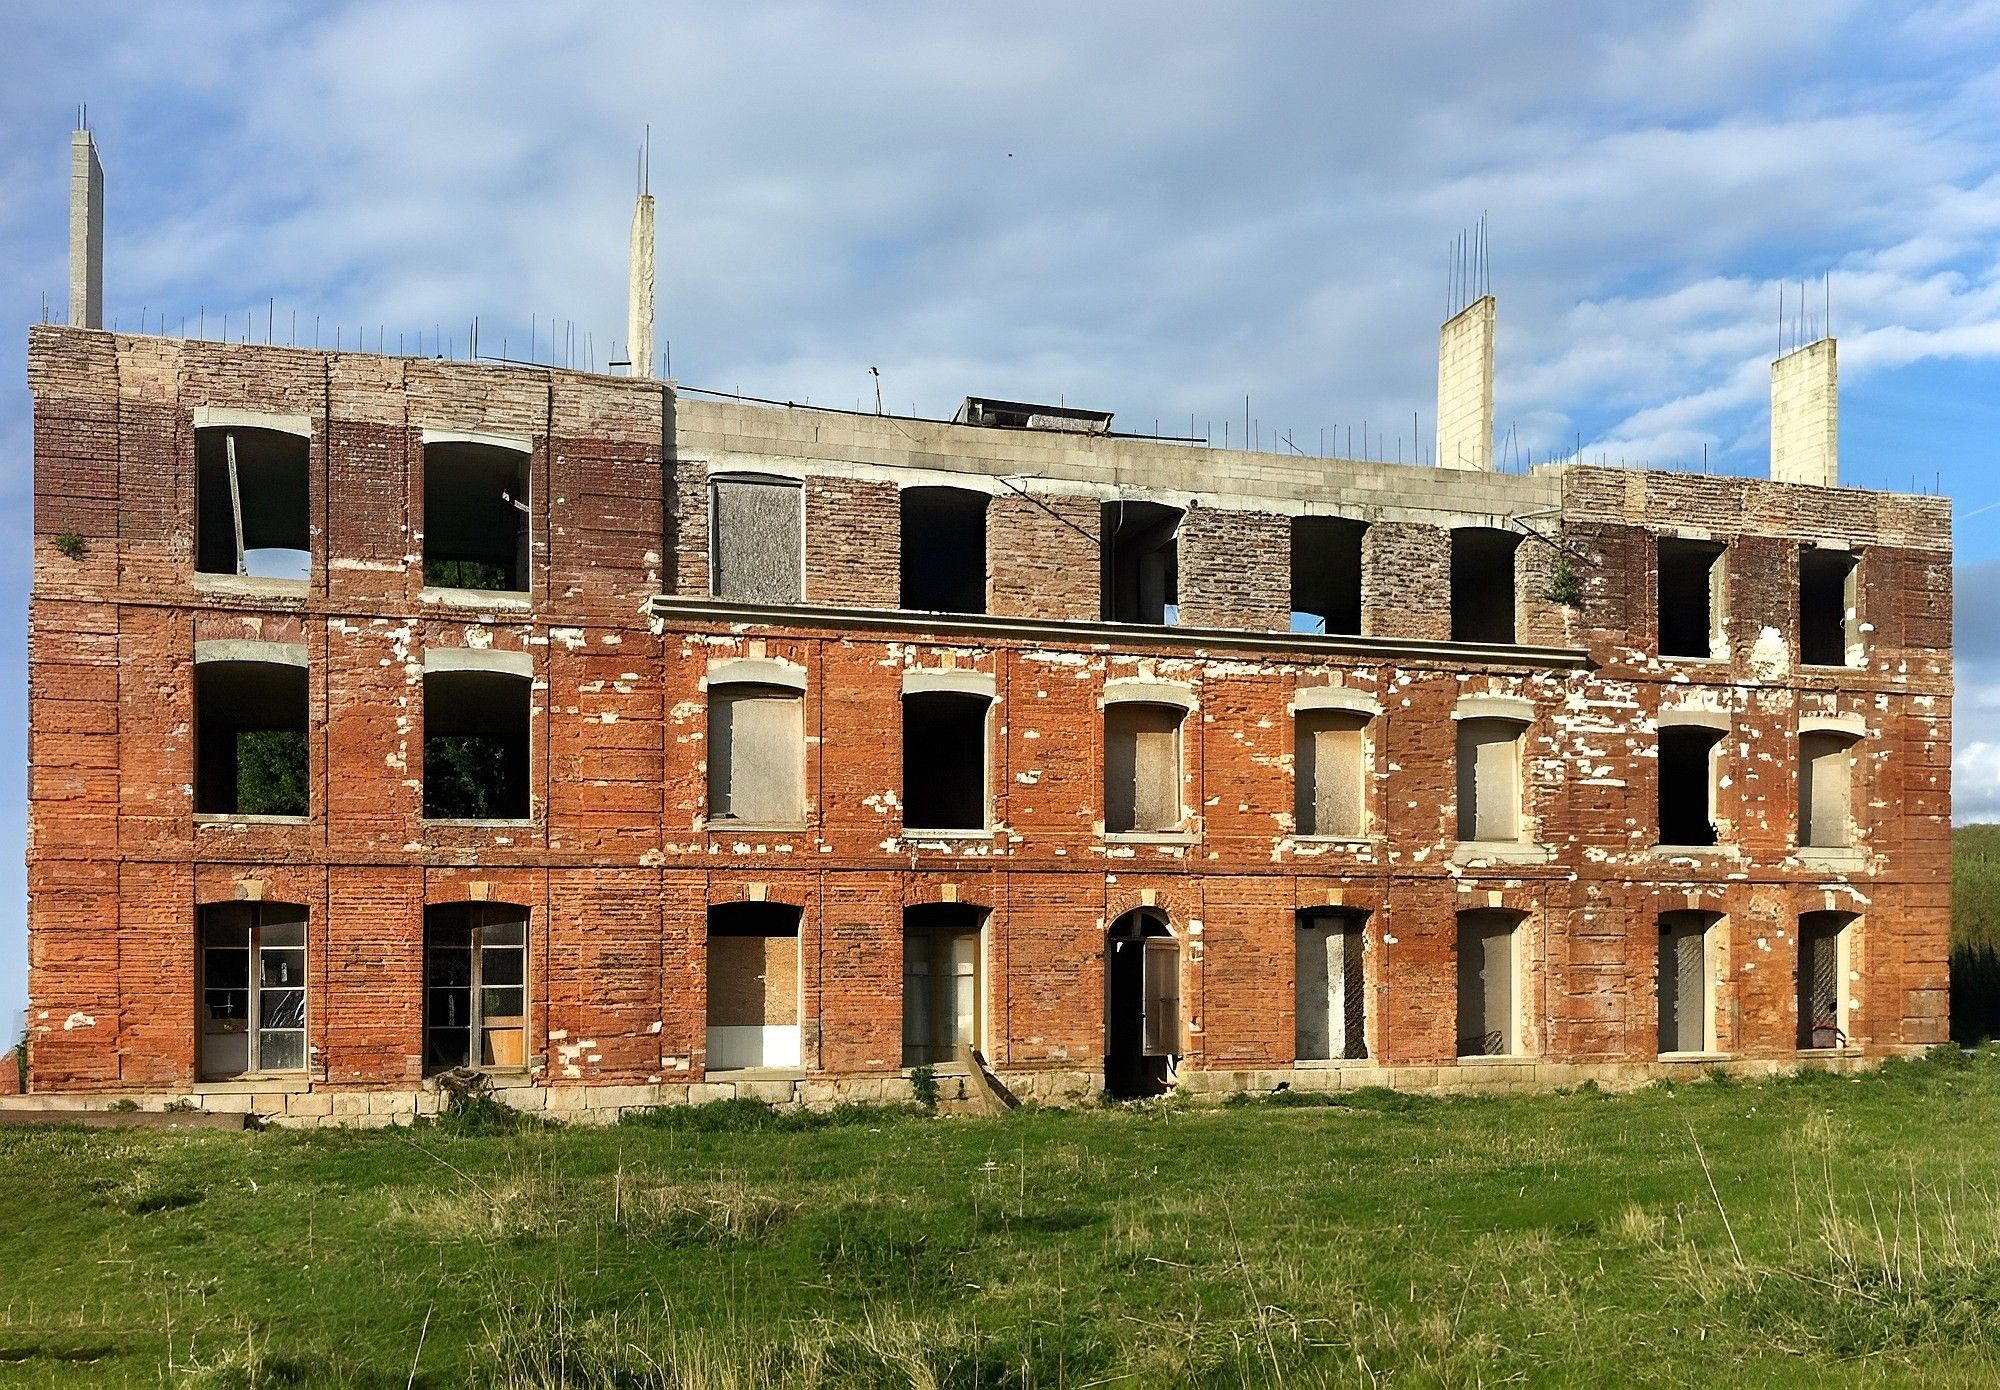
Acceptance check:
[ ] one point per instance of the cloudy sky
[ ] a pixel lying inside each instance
(1155, 209)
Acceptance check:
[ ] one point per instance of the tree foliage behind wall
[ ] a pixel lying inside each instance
(475, 777)
(272, 772)
(1975, 932)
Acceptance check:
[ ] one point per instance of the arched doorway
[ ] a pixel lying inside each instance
(1142, 1004)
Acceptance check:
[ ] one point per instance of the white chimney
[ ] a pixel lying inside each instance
(86, 233)
(1465, 388)
(1805, 416)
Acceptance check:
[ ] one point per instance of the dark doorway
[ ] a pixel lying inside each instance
(1142, 1013)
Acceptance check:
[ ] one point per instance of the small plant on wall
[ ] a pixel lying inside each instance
(70, 544)
(1565, 586)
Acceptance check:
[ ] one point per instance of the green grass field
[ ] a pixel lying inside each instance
(1825, 1229)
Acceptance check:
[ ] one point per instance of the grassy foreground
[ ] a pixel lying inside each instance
(1823, 1230)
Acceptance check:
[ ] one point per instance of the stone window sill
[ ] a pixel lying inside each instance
(1695, 660)
(1334, 1064)
(1351, 841)
(252, 584)
(1832, 856)
(744, 827)
(1504, 1059)
(755, 1073)
(1502, 852)
(476, 598)
(1696, 1057)
(225, 818)
(1151, 837)
(983, 834)
(1697, 851)
(290, 1082)
(445, 823)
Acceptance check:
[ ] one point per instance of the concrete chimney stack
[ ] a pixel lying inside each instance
(1805, 416)
(86, 233)
(639, 292)
(1465, 388)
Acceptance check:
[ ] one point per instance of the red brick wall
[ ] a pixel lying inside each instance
(616, 865)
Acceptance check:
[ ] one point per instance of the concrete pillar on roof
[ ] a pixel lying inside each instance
(1805, 416)
(639, 292)
(86, 233)
(1465, 388)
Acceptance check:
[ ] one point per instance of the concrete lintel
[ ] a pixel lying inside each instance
(479, 659)
(513, 442)
(1511, 707)
(1131, 691)
(749, 670)
(1852, 725)
(1335, 697)
(209, 417)
(950, 682)
(249, 649)
(1688, 716)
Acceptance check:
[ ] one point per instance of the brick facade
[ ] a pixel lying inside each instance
(616, 863)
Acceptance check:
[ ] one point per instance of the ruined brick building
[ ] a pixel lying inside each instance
(391, 715)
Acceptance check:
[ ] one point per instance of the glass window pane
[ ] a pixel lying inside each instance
(281, 929)
(502, 966)
(448, 1047)
(503, 933)
(451, 967)
(447, 931)
(226, 969)
(282, 968)
(227, 1005)
(505, 1002)
(281, 1008)
(285, 1051)
(225, 924)
(450, 1008)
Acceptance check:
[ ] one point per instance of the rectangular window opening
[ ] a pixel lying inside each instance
(944, 550)
(941, 982)
(475, 517)
(1822, 992)
(476, 745)
(1330, 773)
(1826, 789)
(753, 985)
(253, 989)
(1488, 1024)
(1828, 633)
(1141, 566)
(756, 755)
(1489, 779)
(1687, 784)
(251, 755)
(475, 986)
(1142, 768)
(1326, 574)
(1686, 983)
(1482, 584)
(757, 539)
(1691, 598)
(944, 761)
(252, 503)
(1332, 999)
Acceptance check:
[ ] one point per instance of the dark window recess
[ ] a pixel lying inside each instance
(944, 550)
(1826, 597)
(1326, 574)
(475, 746)
(1690, 597)
(475, 517)
(1819, 980)
(252, 513)
(944, 761)
(1482, 584)
(757, 541)
(475, 986)
(1141, 568)
(1687, 785)
(250, 739)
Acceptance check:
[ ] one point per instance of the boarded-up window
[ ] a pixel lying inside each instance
(1332, 1021)
(1685, 986)
(756, 540)
(1487, 1022)
(475, 986)
(253, 988)
(753, 985)
(1826, 778)
(1828, 629)
(1822, 996)
(1489, 779)
(1162, 1034)
(756, 755)
(1691, 598)
(1330, 782)
(944, 760)
(940, 981)
(1142, 767)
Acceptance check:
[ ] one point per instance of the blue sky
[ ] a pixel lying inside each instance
(1154, 209)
